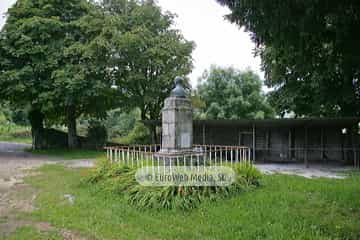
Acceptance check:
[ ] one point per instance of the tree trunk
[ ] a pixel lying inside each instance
(36, 118)
(71, 124)
(153, 135)
(143, 114)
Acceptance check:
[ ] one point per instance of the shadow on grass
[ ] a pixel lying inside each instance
(67, 154)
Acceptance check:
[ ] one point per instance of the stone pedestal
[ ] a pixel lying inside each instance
(177, 126)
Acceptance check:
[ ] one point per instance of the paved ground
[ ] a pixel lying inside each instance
(314, 171)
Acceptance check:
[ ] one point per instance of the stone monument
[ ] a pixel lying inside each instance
(177, 122)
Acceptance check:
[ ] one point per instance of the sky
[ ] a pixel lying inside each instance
(217, 41)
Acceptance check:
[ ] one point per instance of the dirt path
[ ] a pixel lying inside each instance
(15, 196)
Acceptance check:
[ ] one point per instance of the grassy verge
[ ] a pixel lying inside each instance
(30, 233)
(285, 207)
(69, 154)
(14, 133)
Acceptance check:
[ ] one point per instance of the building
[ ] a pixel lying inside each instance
(285, 140)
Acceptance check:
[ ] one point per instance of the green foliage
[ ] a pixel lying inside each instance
(51, 63)
(199, 106)
(284, 208)
(148, 56)
(104, 170)
(37, 50)
(11, 132)
(3, 119)
(248, 174)
(19, 117)
(309, 51)
(119, 123)
(190, 197)
(97, 134)
(120, 179)
(16, 116)
(59, 59)
(140, 134)
(232, 94)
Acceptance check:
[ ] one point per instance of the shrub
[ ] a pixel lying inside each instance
(119, 123)
(248, 174)
(21, 134)
(139, 135)
(177, 197)
(120, 180)
(15, 116)
(20, 117)
(97, 134)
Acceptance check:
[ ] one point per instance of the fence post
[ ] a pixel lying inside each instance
(215, 154)
(237, 155)
(221, 159)
(226, 154)
(132, 158)
(163, 159)
(111, 155)
(171, 164)
(158, 160)
(198, 162)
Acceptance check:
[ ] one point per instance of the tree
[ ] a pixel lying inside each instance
(51, 61)
(27, 60)
(60, 58)
(148, 54)
(309, 51)
(232, 94)
(82, 80)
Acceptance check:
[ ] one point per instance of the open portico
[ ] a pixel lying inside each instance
(321, 140)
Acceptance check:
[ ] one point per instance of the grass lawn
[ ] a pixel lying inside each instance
(29, 233)
(69, 154)
(285, 207)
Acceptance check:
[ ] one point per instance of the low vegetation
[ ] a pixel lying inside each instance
(14, 133)
(140, 134)
(284, 207)
(30, 233)
(120, 180)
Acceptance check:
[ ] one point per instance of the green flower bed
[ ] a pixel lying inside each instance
(120, 180)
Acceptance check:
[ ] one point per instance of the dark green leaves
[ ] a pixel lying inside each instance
(309, 51)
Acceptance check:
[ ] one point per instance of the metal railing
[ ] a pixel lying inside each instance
(201, 155)
(317, 155)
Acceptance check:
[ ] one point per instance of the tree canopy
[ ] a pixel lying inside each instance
(309, 51)
(232, 94)
(148, 54)
(40, 44)
(59, 59)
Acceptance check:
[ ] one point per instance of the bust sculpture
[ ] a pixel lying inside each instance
(178, 91)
